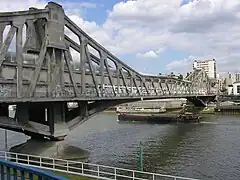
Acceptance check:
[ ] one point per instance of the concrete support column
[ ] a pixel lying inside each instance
(56, 113)
(22, 115)
(41, 120)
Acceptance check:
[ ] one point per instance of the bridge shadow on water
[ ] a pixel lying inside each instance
(55, 149)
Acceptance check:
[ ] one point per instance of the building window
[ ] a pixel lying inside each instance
(238, 89)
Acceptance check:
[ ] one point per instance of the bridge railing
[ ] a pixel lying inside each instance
(11, 170)
(85, 169)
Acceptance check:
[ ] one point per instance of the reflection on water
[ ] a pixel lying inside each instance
(210, 150)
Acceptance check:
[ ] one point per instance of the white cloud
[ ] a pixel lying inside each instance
(208, 28)
(151, 54)
(181, 66)
(77, 8)
(17, 5)
(70, 5)
(148, 55)
(160, 50)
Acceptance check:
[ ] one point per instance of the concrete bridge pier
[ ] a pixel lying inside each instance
(51, 120)
(40, 120)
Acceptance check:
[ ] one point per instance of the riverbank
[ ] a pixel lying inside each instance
(209, 110)
(214, 111)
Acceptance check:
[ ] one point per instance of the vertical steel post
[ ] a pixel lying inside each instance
(6, 140)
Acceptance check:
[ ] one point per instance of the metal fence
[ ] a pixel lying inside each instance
(10, 170)
(85, 169)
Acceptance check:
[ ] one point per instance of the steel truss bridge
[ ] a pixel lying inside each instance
(51, 68)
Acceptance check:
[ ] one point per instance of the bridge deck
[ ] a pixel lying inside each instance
(109, 98)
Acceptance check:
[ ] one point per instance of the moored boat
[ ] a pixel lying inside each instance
(159, 118)
(140, 110)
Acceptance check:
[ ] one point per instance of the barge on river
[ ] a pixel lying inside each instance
(156, 116)
(161, 119)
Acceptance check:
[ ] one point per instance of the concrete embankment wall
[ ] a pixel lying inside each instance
(228, 109)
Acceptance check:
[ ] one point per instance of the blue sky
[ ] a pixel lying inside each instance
(185, 2)
(98, 14)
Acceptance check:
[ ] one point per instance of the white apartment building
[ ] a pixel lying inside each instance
(234, 89)
(232, 78)
(208, 65)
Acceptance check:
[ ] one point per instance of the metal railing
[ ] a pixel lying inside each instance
(10, 170)
(85, 169)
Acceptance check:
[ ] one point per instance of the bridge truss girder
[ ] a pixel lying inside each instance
(43, 69)
(52, 68)
(201, 83)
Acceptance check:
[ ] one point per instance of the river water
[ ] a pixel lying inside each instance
(210, 150)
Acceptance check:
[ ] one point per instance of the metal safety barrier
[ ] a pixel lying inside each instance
(85, 169)
(10, 170)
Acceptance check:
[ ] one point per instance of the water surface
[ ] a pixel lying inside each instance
(210, 150)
